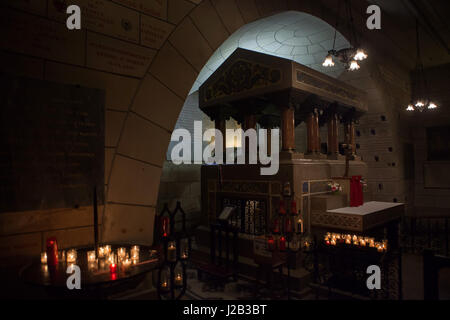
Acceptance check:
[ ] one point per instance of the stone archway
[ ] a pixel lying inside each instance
(142, 102)
(137, 163)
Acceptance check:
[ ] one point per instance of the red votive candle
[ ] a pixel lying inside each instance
(113, 268)
(293, 207)
(52, 251)
(276, 227)
(282, 244)
(282, 208)
(288, 225)
(165, 226)
(270, 243)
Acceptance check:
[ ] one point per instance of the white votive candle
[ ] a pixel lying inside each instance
(91, 256)
(71, 256)
(44, 257)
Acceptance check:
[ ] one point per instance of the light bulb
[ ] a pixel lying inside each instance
(328, 61)
(419, 104)
(353, 65)
(410, 108)
(360, 55)
(431, 105)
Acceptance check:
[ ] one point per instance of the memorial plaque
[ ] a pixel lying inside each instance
(51, 144)
(101, 16)
(156, 8)
(117, 56)
(35, 6)
(154, 32)
(31, 35)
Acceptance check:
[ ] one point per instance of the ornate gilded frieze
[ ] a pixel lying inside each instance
(332, 220)
(325, 86)
(242, 76)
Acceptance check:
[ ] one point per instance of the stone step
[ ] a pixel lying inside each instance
(326, 202)
(299, 278)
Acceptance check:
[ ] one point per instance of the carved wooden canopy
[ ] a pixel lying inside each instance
(261, 84)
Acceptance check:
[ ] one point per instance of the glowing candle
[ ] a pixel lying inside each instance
(113, 268)
(300, 225)
(112, 258)
(179, 280)
(276, 227)
(126, 263)
(62, 255)
(91, 256)
(101, 252)
(164, 285)
(107, 249)
(333, 242)
(121, 252)
(282, 243)
(44, 257)
(102, 264)
(135, 252)
(270, 243)
(379, 247)
(172, 252)
(92, 266)
(71, 256)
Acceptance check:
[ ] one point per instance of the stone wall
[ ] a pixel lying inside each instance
(145, 55)
(380, 135)
(430, 198)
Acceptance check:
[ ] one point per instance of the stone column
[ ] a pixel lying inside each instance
(316, 133)
(333, 144)
(288, 129)
(220, 124)
(249, 122)
(349, 129)
(310, 132)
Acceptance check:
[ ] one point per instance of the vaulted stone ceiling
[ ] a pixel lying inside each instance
(293, 35)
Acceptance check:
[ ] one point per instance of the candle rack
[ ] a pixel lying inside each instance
(176, 248)
(287, 231)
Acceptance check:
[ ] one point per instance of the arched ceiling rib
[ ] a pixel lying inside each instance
(292, 35)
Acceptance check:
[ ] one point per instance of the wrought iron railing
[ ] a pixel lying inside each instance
(425, 232)
(250, 216)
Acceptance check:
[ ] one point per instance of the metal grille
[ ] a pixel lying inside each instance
(250, 217)
(419, 233)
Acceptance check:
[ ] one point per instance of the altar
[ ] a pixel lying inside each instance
(261, 91)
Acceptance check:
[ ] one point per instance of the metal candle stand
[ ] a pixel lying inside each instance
(172, 289)
(291, 234)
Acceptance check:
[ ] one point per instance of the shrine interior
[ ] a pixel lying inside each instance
(126, 146)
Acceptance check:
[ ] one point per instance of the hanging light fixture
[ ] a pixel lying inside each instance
(328, 61)
(420, 100)
(348, 56)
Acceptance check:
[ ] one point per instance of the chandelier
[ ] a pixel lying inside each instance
(348, 56)
(419, 98)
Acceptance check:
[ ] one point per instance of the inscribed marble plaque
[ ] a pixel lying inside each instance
(117, 56)
(102, 16)
(154, 32)
(31, 35)
(35, 6)
(156, 8)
